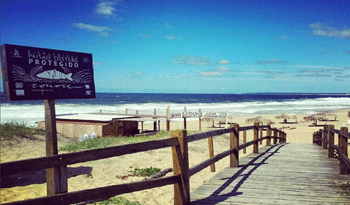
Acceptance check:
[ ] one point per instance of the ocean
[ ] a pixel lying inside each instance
(30, 112)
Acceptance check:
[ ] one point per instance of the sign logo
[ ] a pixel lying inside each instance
(16, 54)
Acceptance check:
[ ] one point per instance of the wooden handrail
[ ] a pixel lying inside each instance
(341, 155)
(99, 193)
(205, 135)
(17, 167)
(325, 138)
(178, 142)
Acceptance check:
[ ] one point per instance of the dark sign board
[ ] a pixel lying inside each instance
(31, 73)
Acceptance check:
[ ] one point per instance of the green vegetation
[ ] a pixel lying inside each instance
(111, 141)
(9, 131)
(90, 144)
(144, 172)
(117, 200)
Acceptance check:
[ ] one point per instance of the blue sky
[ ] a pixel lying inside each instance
(213, 46)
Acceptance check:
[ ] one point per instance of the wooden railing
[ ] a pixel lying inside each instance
(325, 138)
(179, 142)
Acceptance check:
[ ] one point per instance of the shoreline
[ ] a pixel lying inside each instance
(101, 173)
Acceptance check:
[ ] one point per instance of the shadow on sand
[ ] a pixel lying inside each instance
(39, 177)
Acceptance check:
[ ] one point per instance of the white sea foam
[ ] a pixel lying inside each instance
(30, 114)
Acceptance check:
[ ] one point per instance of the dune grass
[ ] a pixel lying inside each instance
(111, 141)
(117, 200)
(144, 172)
(11, 130)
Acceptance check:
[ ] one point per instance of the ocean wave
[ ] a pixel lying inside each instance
(31, 113)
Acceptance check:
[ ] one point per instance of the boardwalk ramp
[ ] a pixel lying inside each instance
(287, 173)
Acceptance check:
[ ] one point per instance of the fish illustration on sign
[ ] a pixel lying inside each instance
(54, 74)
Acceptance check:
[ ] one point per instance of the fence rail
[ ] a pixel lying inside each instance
(179, 143)
(325, 138)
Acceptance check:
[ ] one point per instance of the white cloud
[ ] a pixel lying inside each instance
(103, 31)
(137, 73)
(322, 29)
(314, 66)
(223, 61)
(273, 61)
(283, 37)
(169, 37)
(223, 69)
(145, 35)
(106, 8)
(211, 73)
(191, 60)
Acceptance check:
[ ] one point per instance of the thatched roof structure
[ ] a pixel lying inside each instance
(259, 119)
(286, 117)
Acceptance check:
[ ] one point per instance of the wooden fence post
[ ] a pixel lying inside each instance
(261, 135)
(168, 119)
(56, 177)
(280, 136)
(155, 122)
(284, 137)
(268, 133)
(234, 143)
(211, 152)
(200, 119)
(256, 137)
(314, 138)
(320, 139)
(325, 138)
(185, 123)
(275, 136)
(330, 141)
(181, 167)
(244, 141)
(343, 146)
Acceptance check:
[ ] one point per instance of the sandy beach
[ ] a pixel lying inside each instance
(104, 172)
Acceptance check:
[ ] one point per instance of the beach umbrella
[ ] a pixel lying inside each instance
(259, 119)
(312, 117)
(324, 116)
(286, 117)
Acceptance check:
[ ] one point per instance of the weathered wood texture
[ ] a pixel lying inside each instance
(281, 174)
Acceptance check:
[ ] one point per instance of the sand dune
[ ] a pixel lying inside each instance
(104, 172)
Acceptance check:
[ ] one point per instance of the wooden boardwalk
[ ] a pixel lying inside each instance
(281, 174)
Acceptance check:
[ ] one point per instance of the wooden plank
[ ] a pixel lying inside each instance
(277, 175)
